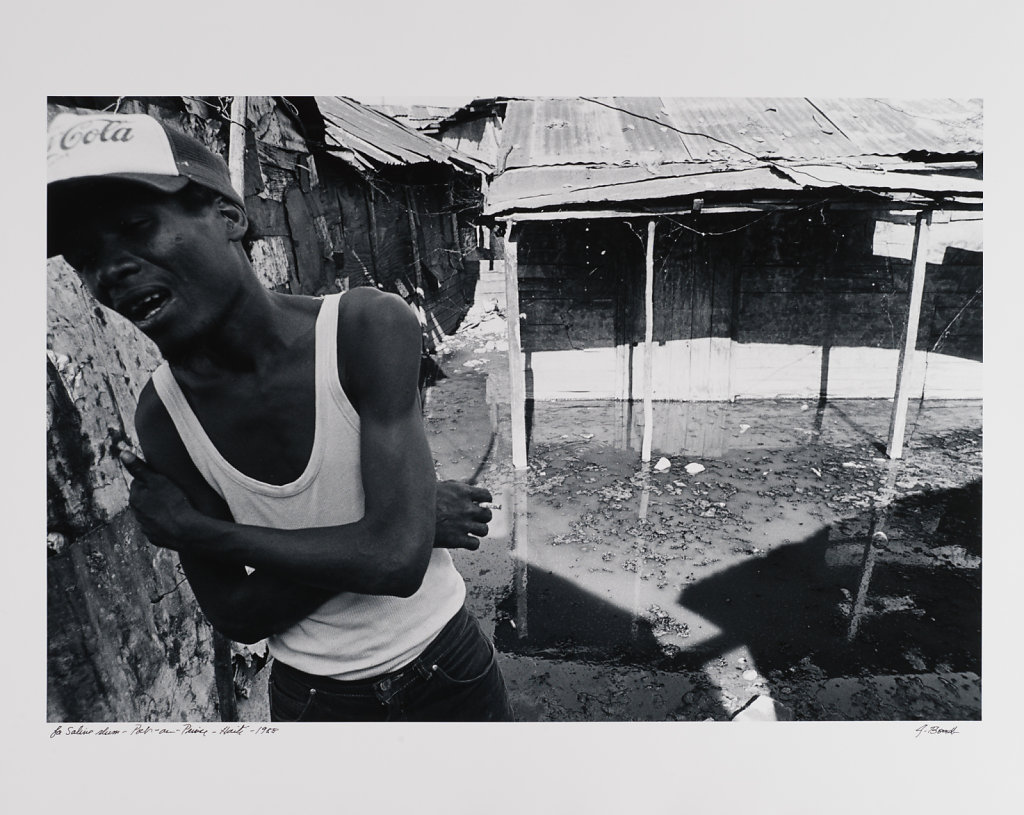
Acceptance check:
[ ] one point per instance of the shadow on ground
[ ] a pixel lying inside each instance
(921, 609)
(914, 602)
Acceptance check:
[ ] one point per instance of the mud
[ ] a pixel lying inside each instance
(800, 563)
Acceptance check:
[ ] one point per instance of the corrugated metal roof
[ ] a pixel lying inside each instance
(529, 189)
(367, 138)
(593, 139)
(424, 118)
(896, 126)
(832, 175)
(622, 130)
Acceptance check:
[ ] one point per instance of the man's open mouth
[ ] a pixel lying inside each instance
(142, 308)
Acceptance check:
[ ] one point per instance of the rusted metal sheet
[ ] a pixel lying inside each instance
(831, 175)
(738, 129)
(638, 130)
(478, 138)
(372, 136)
(584, 150)
(895, 126)
(424, 118)
(528, 189)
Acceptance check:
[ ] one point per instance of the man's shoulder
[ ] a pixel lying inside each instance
(379, 346)
(150, 408)
(367, 302)
(367, 315)
(166, 453)
(155, 428)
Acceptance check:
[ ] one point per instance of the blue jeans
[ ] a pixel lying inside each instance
(455, 679)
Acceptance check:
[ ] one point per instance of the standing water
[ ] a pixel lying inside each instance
(774, 551)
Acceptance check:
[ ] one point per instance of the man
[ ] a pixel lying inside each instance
(287, 462)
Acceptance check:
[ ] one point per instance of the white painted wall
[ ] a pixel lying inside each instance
(718, 369)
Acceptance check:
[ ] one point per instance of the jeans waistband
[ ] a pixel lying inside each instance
(438, 647)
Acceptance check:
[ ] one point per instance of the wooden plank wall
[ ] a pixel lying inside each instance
(820, 311)
(573, 280)
(790, 306)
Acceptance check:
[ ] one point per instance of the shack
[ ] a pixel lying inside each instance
(342, 196)
(718, 249)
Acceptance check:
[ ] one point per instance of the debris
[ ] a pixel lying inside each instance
(804, 406)
(56, 543)
(750, 675)
(816, 471)
(693, 468)
(663, 464)
(587, 436)
(744, 428)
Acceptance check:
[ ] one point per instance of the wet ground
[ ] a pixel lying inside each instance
(775, 563)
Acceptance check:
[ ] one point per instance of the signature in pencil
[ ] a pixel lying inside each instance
(935, 730)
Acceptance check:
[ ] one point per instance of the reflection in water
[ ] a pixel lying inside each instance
(769, 549)
(520, 552)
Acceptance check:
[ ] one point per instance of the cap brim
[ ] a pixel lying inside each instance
(164, 183)
(60, 193)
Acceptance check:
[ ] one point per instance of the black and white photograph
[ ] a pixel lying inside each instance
(518, 409)
(699, 381)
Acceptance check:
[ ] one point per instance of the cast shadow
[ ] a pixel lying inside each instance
(921, 609)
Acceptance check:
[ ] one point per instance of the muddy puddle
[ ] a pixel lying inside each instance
(769, 550)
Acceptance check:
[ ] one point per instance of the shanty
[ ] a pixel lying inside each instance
(718, 362)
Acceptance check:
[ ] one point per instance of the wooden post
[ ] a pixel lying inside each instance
(645, 449)
(236, 144)
(898, 422)
(645, 491)
(419, 300)
(517, 376)
(876, 540)
(371, 212)
(520, 551)
(223, 669)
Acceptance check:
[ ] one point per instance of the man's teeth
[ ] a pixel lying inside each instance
(147, 306)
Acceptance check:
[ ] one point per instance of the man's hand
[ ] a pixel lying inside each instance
(460, 520)
(161, 508)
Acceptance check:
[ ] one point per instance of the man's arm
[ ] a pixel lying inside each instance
(387, 551)
(248, 607)
(244, 607)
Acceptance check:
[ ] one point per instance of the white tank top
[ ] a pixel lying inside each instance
(352, 636)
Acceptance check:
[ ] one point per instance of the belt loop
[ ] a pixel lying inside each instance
(423, 670)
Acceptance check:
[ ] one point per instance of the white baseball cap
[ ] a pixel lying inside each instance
(133, 147)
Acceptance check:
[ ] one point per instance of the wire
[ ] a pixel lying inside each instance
(956, 317)
(780, 168)
(746, 225)
(672, 127)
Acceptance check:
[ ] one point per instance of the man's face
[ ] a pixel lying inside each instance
(170, 268)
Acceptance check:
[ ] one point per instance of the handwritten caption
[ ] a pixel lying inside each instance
(164, 730)
(935, 730)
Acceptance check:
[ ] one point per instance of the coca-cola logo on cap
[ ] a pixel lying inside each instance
(99, 130)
